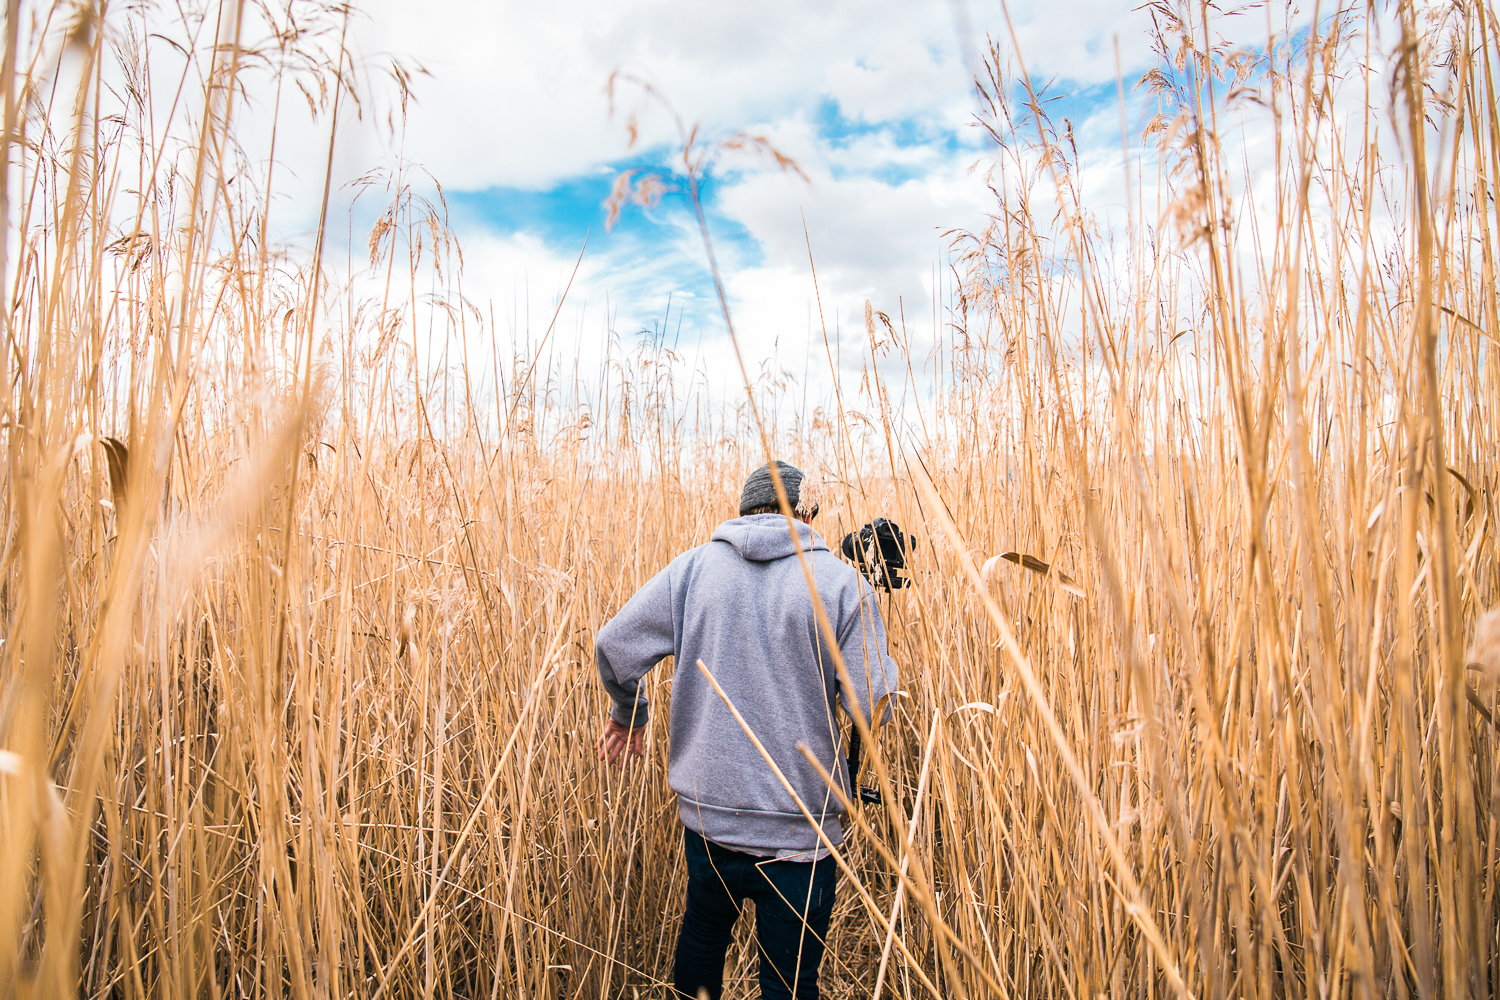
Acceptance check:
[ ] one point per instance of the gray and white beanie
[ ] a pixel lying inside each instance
(760, 490)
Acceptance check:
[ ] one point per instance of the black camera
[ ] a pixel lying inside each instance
(880, 549)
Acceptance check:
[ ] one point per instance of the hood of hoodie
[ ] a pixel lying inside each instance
(763, 537)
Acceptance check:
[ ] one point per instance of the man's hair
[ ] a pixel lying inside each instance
(768, 509)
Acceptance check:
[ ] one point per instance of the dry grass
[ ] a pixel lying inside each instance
(296, 690)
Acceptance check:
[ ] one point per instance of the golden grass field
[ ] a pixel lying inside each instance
(297, 695)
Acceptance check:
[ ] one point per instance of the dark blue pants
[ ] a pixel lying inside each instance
(791, 947)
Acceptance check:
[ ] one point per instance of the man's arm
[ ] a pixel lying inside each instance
(628, 646)
(871, 669)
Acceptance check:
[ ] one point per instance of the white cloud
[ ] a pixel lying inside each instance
(1076, 40)
(516, 95)
(869, 239)
(516, 99)
(517, 92)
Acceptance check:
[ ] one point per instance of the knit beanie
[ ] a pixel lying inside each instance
(760, 490)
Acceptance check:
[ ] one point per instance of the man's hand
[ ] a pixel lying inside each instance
(617, 744)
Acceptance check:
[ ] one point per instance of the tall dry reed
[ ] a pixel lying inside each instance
(296, 688)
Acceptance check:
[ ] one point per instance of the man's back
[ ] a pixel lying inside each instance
(741, 605)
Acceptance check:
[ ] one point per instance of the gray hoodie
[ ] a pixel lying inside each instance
(741, 605)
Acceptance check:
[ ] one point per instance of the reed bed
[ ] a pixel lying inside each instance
(296, 690)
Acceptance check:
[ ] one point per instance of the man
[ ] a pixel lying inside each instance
(742, 606)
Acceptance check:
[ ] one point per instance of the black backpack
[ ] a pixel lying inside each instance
(880, 550)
